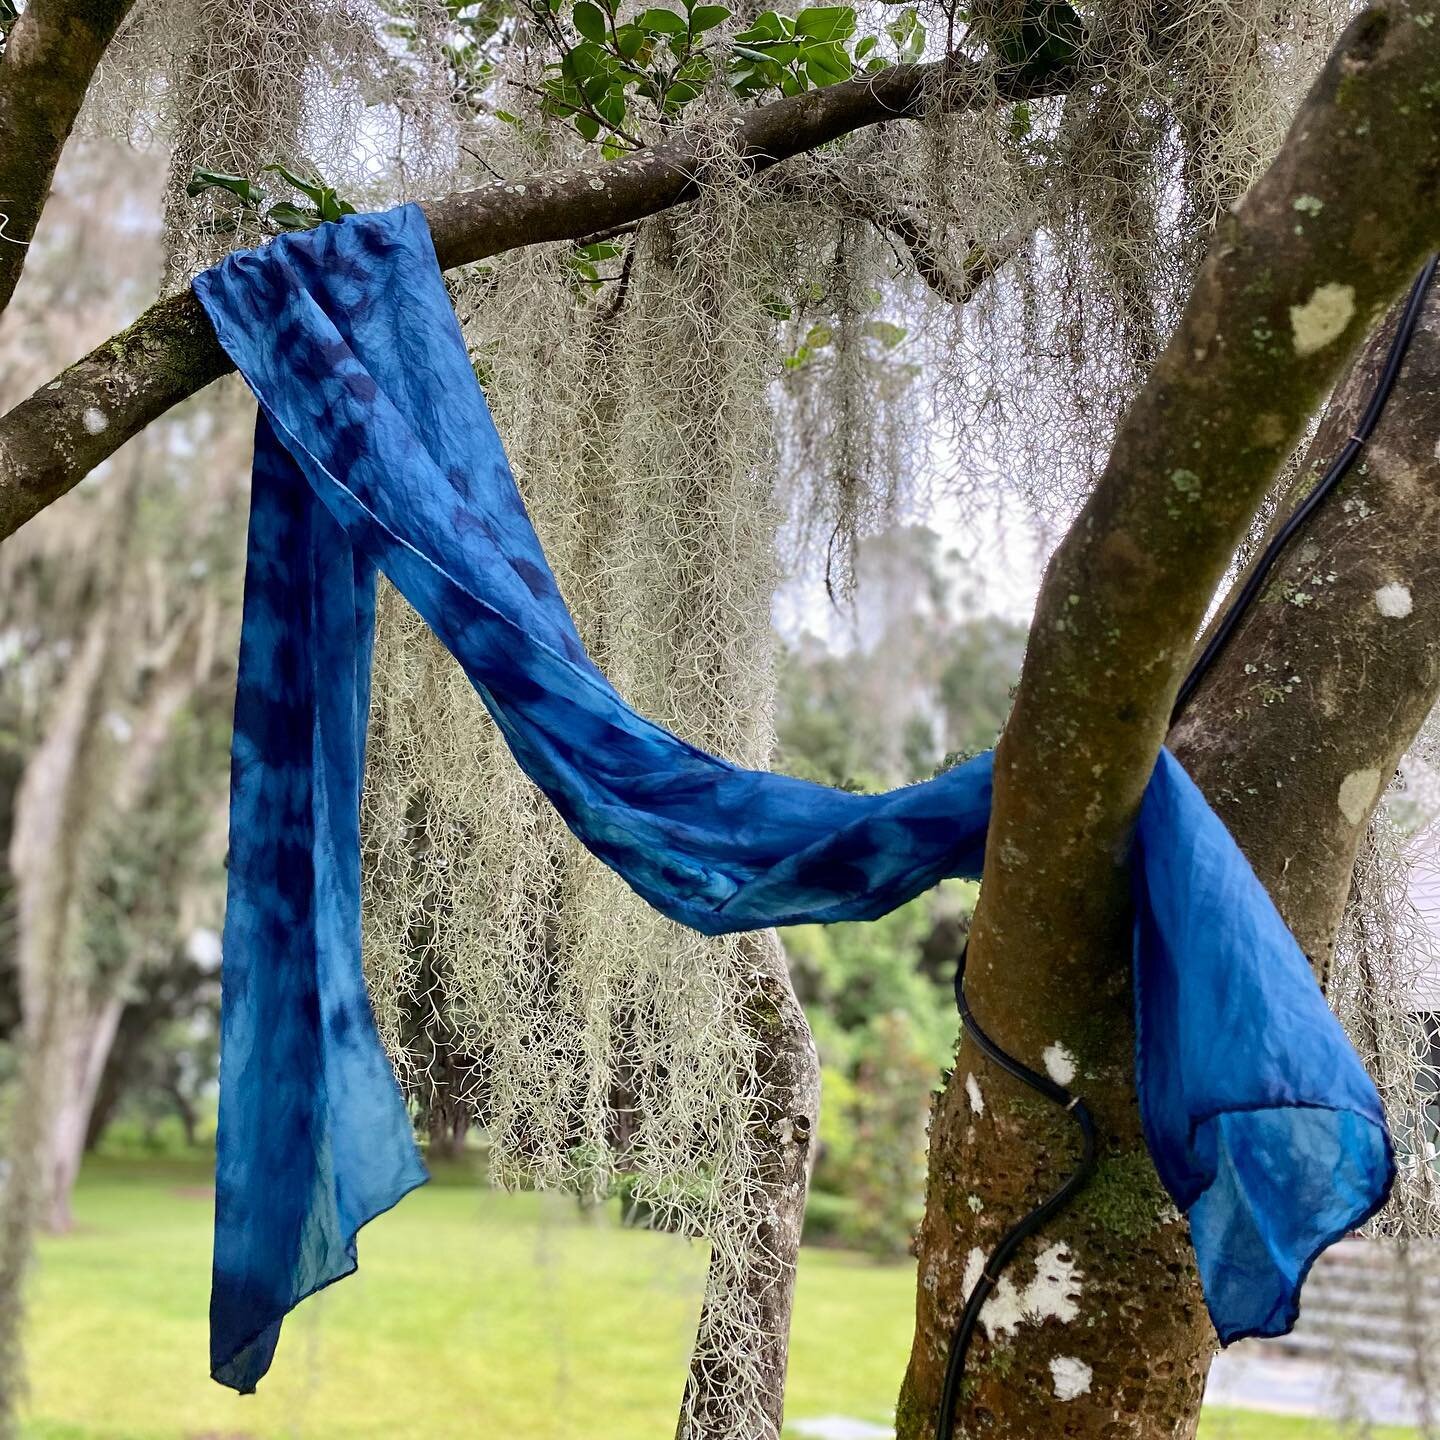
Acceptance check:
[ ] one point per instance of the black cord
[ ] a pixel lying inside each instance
(1073, 1105)
(1339, 467)
(1016, 1236)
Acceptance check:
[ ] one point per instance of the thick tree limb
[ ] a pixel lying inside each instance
(1329, 676)
(1297, 273)
(49, 58)
(53, 439)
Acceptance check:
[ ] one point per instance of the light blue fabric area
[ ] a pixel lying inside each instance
(375, 451)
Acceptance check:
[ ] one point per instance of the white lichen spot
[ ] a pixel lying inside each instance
(1394, 600)
(1072, 1377)
(597, 183)
(1059, 1063)
(95, 420)
(975, 1203)
(1357, 793)
(1052, 1294)
(977, 1100)
(1188, 483)
(1309, 204)
(1322, 318)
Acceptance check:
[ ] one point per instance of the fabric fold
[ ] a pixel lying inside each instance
(375, 451)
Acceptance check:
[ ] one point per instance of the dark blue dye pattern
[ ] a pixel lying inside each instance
(375, 451)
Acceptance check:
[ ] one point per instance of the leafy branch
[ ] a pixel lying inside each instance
(611, 74)
(255, 208)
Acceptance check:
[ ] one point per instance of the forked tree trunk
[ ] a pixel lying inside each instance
(1293, 739)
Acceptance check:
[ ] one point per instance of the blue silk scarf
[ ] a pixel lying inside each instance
(375, 452)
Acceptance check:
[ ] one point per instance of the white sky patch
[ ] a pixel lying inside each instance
(1072, 1377)
(977, 1100)
(1394, 600)
(1059, 1063)
(1052, 1294)
(1357, 793)
(1322, 318)
(95, 420)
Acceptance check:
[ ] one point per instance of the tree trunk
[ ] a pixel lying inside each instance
(788, 1074)
(1292, 737)
(85, 1030)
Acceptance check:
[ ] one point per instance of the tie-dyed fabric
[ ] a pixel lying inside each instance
(375, 452)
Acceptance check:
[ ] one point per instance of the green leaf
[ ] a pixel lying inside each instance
(680, 93)
(587, 125)
(246, 191)
(908, 33)
(635, 43)
(888, 334)
(659, 21)
(584, 61)
(865, 45)
(291, 217)
(600, 250)
(589, 20)
(308, 188)
(826, 22)
(768, 25)
(826, 64)
(611, 107)
(707, 17)
(780, 53)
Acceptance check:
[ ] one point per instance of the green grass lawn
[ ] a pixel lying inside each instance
(473, 1314)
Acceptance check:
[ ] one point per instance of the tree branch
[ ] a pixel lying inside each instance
(1297, 272)
(955, 280)
(49, 58)
(53, 439)
(1330, 674)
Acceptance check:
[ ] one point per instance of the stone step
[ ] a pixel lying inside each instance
(1359, 1351)
(1373, 1300)
(1348, 1319)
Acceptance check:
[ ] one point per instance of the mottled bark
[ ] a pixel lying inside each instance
(788, 1077)
(1298, 729)
(46, 66)
(53, 439)
(1295, 275)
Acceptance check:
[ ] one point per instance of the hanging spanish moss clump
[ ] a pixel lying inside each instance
(1094, 209)
(593, 1039)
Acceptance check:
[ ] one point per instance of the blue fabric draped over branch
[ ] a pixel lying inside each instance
(375, 451)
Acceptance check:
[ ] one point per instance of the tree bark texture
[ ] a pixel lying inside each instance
(46, 66)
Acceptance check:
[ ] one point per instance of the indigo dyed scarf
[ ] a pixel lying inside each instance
(375, 452)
